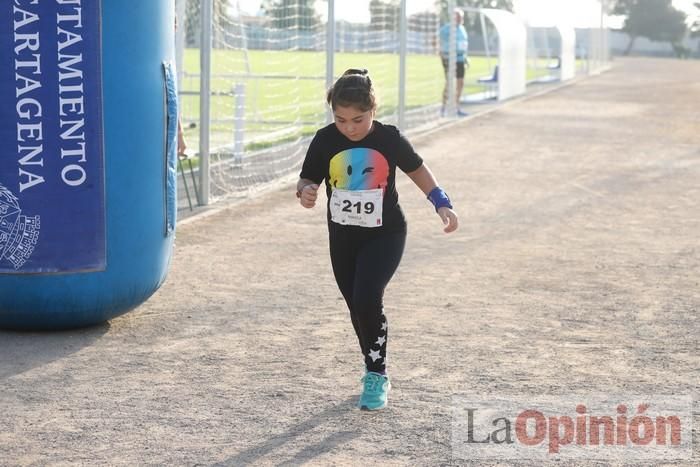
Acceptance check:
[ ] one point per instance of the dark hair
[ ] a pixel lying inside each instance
(353, 89)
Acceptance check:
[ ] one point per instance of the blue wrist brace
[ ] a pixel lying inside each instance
(439, 198)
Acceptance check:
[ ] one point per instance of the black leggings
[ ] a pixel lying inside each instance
(363, 264)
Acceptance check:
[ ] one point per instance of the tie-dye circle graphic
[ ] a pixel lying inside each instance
(359, 169)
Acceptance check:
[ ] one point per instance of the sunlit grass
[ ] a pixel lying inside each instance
(284, 91)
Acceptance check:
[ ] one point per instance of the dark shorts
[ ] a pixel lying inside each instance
(460, 67)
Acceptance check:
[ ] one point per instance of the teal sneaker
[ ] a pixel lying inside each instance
(375, 389)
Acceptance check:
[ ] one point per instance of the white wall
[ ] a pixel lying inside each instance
(512, 52)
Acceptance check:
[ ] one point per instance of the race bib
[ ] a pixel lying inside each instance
(361, 207)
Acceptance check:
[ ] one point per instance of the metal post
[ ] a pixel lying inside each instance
(238, 123)
(403, 39)
(593, 45)
(330, 52)
(602, 36)
(604, 33)
(180, 17)
(244, 38)
(451, 105)
(206, 16)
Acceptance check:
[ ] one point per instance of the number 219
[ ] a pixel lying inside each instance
(348, 206)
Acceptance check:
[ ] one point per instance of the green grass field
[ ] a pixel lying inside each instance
(285, 90)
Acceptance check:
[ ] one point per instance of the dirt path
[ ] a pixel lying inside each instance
(576, 270)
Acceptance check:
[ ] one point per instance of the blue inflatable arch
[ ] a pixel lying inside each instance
(87, 174)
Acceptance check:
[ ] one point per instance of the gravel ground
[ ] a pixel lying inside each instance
(575, 271)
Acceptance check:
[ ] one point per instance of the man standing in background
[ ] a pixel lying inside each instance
(462, 60)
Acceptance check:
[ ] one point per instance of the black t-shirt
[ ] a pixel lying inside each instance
(362, 165)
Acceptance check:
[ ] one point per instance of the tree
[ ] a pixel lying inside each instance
(657, 20)
(384, 15)
(193, 23)
(294, 14)
(695, 26)
(423, 20)
(473, 22)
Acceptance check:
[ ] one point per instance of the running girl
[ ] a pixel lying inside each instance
(357, 158)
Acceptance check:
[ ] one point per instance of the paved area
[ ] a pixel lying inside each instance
(576, 271)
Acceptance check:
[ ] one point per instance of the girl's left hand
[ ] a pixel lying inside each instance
(181, 143)
(449, 218)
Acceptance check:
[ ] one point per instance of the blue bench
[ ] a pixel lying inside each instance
(490, 82)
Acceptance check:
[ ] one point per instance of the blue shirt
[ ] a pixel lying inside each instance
(462, 42)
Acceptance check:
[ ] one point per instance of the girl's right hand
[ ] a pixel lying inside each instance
(308, 195)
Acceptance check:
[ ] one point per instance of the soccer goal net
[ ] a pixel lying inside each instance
(271, 63)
